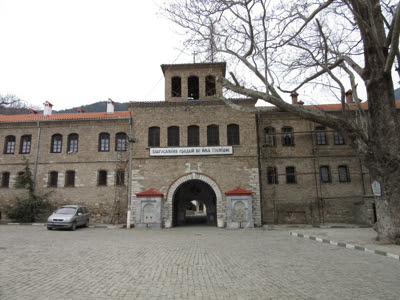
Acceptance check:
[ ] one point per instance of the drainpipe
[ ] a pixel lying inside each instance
(37, 151)
(259, 154)
(128, 217)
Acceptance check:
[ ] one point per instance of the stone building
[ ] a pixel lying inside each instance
(80, 158)
(151, 165)
(309, 172)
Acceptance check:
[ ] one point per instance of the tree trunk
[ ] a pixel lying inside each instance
(383, 158)
(387, 209)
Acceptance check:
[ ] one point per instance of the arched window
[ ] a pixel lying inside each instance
(70, 178)
(325, 174)
(287, 136)
(5, 179)
(269, 136)
(73, 140)
(53, 179)
(213, 135)
(193, 87)
(154, 137)
(25, 144)
(120, 177)
(102, 177)
(120, 141)
(233, 134)
(272, 175)
(56, 143)
(173, 136)
(9, 145)
(176, 87)
(290, 175)
(104, 142)
(338, 138)
(193, 136)
(344, 175)
(210, 86)
(320, 135)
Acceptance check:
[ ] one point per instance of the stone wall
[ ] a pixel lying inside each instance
(310, 200)
(86, 163)
(224, 171)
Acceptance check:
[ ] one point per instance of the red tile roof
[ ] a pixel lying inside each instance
(64, 116)
(149, 193)
(238, 192)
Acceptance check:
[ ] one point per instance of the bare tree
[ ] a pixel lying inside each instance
(11, 105)
(330, 45)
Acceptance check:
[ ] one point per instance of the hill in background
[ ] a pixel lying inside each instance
(100, 106)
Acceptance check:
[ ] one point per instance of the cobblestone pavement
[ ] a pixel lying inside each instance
(186, 263)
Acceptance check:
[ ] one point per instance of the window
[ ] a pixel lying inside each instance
(154, 137)
(210, 86)
(173, 136)
(176, 90)
(193, 87)
(320, 135)
(104, 142)
(339, 140)
(9, 146)
(325, 174)
(290, 175)
(193, 136)
(56, 143)
(272, 175)
(287, 136)
(120, 141)
(344, 175)
(233, 134)
(5, 179)
(20, 180)
(25, 145)
(73, 139)
(53, 179)
(213, 135)
(102, 177)
(70, 178)
(120, 177)
(269, 136)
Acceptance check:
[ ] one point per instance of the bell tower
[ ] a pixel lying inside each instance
(197, 81)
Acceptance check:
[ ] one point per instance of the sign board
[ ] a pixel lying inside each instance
(376, 188)
(181, 151)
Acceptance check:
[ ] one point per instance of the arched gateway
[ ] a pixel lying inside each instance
(193, 187)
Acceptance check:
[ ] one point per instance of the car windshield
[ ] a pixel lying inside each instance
(66, 211)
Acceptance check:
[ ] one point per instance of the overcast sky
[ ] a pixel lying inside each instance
(76, 52)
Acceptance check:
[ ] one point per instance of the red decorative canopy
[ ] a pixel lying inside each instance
(149, 193)
(238, 192)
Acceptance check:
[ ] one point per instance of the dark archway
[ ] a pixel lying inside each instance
(185, 194)
(193, 88)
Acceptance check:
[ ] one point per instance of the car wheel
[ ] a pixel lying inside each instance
(49, 228)
(87, 223)
(73, 227)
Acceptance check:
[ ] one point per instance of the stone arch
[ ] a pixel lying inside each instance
(168, 217)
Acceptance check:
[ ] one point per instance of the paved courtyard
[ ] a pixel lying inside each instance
(186, 263)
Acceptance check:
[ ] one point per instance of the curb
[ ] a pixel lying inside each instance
(44, 224)
(345, 245)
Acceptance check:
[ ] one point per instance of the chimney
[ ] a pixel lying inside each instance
(47, 111)
(80, 110)
(349, 97)
(110, 106)
(294, 97)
